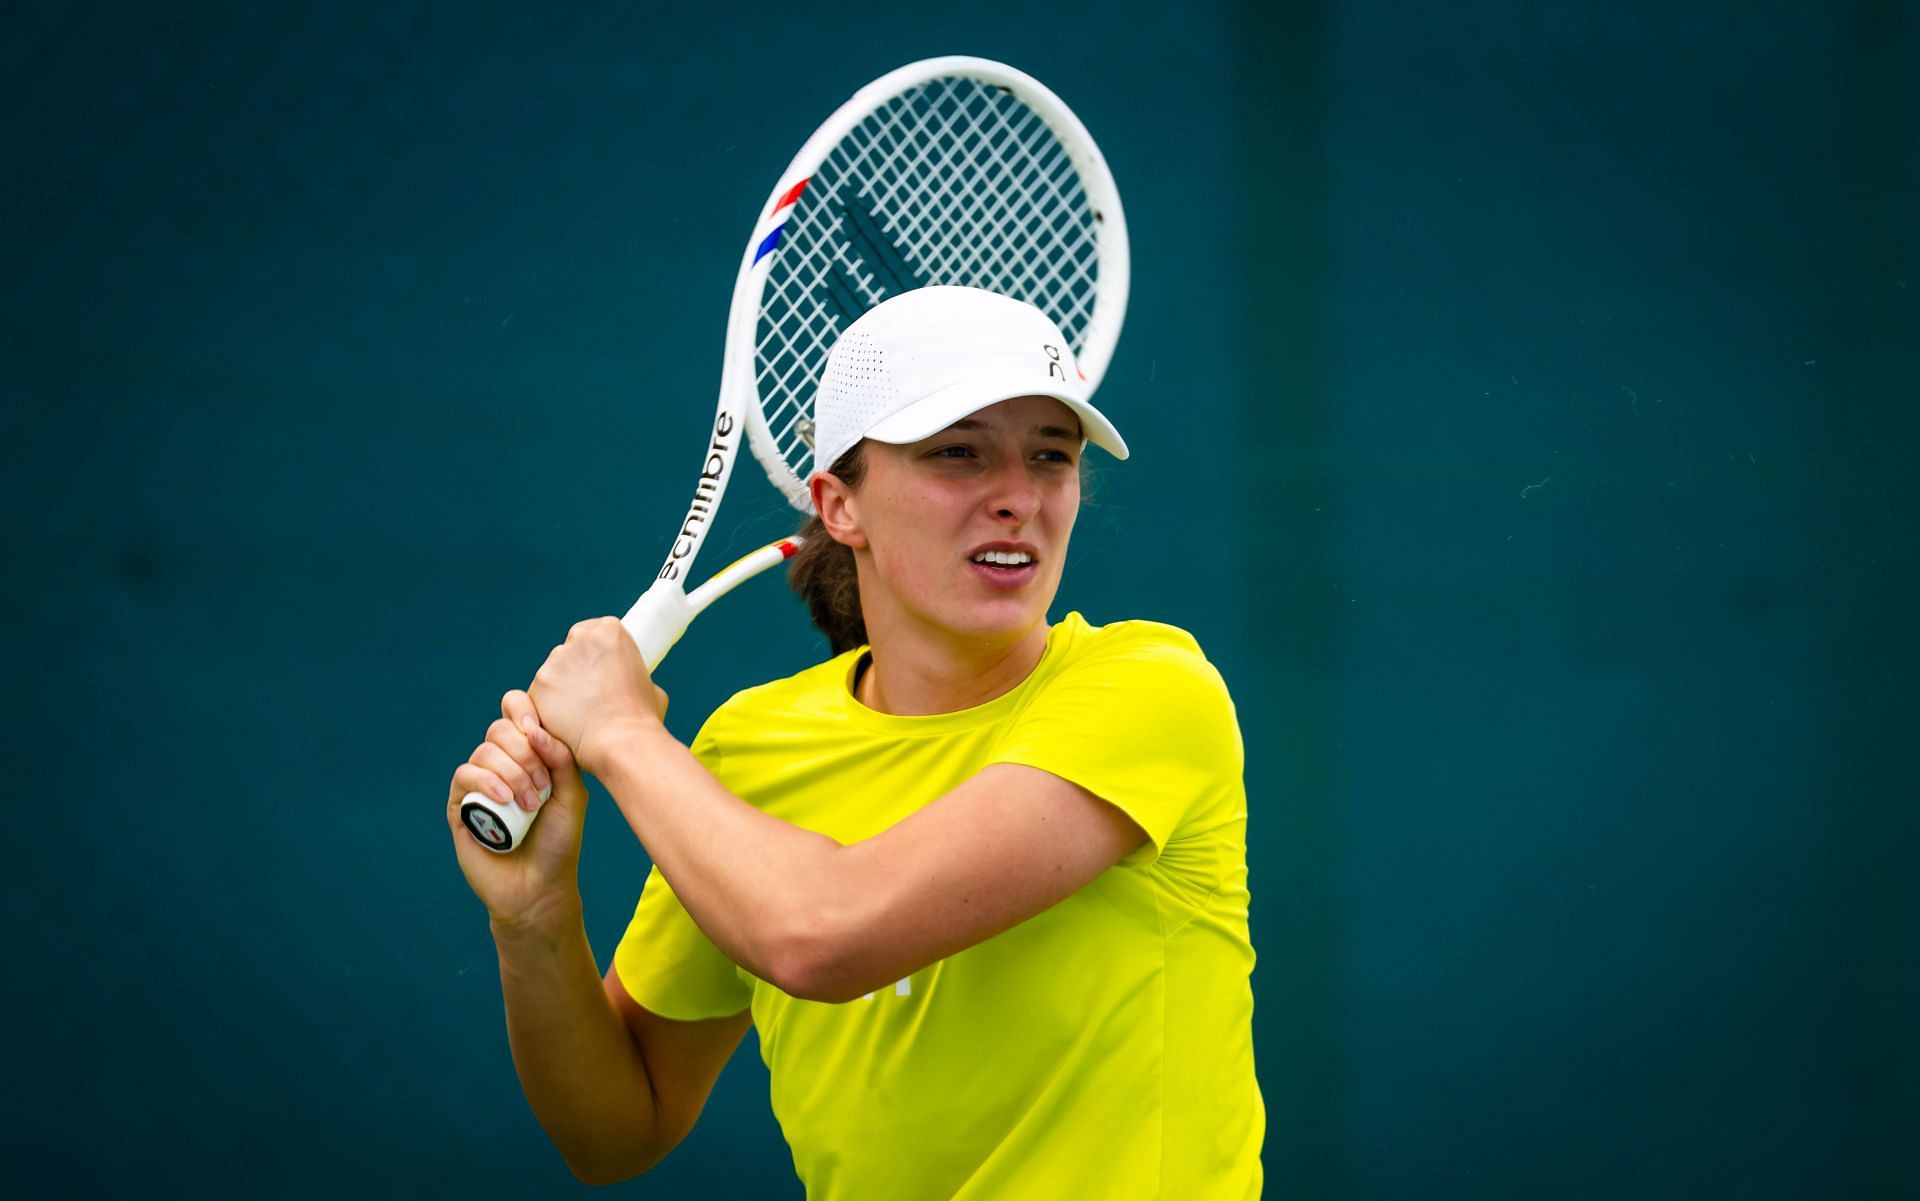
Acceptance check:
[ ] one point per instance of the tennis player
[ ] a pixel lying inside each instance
(978, 880)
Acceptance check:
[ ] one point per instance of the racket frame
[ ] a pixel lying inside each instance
(664, 611)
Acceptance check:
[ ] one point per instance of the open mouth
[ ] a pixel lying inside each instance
(1004, 560)
(1003, 568)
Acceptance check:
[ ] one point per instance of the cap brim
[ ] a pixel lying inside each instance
(930, 414)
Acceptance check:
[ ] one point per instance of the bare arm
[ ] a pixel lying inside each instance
(614, 1086)
(819, 920)
(683, 1059)
(830, 922)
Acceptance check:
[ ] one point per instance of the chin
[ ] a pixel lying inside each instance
(1002, 619)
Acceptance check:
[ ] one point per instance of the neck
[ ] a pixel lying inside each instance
(916, 672)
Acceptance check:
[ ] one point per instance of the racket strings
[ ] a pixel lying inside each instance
(989, 205)
(951, 182)
(1041, 183)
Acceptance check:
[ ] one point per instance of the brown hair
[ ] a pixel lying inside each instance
(822, 571)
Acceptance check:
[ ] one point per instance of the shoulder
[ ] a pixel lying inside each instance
(1151, 652)
(1135, 635)
(1132, 679)
(816, 691)
(1135, 714)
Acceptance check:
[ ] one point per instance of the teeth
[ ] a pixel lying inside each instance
(1005, 558)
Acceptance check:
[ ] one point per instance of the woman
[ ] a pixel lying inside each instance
(979, 880)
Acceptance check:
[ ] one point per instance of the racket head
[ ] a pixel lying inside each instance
(953, 170)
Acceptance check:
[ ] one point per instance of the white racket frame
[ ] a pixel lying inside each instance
(665, 610)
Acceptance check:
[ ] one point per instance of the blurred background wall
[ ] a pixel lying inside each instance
(1523, 403)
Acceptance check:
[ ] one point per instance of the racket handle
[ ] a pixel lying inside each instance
(655, 623)
(497, 827)
(657, 620)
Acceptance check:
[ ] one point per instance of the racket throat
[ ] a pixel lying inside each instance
(722, 449)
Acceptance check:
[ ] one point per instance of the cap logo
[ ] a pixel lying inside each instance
(1054, 370)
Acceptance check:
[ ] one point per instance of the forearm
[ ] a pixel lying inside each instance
(582, 1073)
(765, 891)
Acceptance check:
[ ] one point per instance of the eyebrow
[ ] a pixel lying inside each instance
(1045, 431)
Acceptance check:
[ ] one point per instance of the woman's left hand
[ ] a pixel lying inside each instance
(593, 684)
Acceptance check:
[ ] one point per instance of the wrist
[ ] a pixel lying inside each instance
(543, 924)
(601, 745)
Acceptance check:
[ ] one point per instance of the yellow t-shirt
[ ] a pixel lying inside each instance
(1100, 1049)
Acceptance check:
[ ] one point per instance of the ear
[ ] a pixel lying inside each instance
(838, 509)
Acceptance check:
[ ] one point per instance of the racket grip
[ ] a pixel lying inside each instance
(655, 623)
(497, 827)
(657, 620)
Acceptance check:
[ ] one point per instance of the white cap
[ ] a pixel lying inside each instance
(917, 362)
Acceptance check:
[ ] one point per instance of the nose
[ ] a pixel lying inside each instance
(1013, 495)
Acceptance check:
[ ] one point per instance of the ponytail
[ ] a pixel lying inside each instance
(822, 571)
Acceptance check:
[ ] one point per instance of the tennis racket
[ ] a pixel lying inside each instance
(947, 171)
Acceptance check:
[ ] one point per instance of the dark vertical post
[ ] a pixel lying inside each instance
(1867, 510)
(1280, 212)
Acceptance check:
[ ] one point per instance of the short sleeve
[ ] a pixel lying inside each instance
(670, 967)
(1142, 721)
(664, 961)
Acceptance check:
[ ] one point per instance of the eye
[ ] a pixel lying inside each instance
(1065, 458)
(955, 451)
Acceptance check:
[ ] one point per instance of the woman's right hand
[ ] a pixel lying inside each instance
(536, 886)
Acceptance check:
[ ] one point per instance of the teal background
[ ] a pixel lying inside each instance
(1523, 408)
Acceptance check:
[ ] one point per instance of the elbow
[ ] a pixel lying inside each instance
(594, 1179)
(600, 1173)
(825, 986)
(595, 1175)
(613, 1165)
(810, 958)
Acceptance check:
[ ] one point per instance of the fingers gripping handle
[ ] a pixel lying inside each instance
(655, 623)
(497, 827)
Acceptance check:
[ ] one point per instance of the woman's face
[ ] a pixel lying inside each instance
(967, 530)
